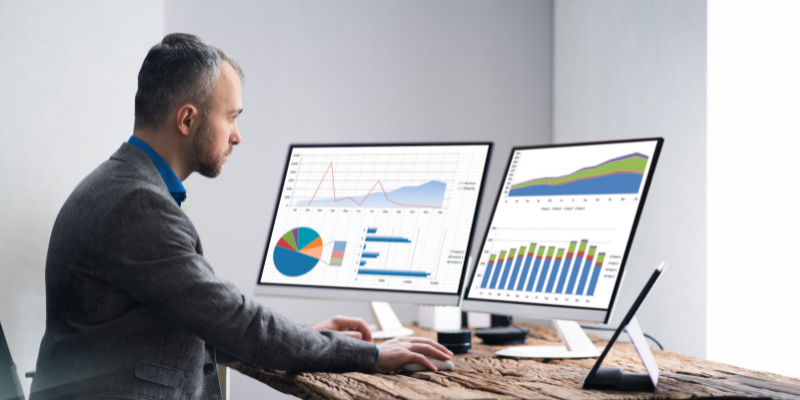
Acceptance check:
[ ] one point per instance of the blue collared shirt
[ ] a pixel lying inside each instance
(174, 184)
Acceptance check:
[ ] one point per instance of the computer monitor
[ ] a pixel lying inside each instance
(560, 233)
(375, 222)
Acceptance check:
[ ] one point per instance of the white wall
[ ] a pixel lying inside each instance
(360, 71)
(628, 69)
(753, 139)
(67, 83)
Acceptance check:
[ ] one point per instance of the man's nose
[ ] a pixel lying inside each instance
(236, 138)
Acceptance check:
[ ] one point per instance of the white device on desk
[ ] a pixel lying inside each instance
(375, 222)
(559, 237)
(417, 367)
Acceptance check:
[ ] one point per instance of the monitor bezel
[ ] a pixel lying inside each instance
(547, 311)
(371, 294)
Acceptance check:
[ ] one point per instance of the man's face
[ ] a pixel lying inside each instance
(218, 132)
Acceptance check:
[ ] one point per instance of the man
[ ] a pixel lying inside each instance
(133, 309)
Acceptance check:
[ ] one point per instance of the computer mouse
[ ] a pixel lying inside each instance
(417, 367)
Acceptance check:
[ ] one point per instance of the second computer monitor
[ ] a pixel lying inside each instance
(375, 222)
(562, 227)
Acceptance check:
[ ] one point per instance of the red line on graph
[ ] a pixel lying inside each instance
(333, 182)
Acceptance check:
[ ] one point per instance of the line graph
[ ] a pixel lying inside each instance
(393, 217)
(428, 195)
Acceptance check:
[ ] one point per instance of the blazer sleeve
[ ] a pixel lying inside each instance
(151, 253)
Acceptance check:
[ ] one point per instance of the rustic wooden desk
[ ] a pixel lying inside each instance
(480, 375)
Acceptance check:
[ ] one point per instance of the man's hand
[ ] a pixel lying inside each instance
(396, 352)
(354, 327)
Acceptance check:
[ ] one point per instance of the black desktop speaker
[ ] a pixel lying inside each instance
(456, 341)
(502, 336)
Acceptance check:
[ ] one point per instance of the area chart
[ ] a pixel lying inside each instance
(621, 175)
(428, 195)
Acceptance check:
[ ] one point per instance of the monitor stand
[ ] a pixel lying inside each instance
(576, 345)
(388, 324)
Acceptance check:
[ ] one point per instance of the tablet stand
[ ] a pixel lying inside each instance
(617, 379)
(600, 377)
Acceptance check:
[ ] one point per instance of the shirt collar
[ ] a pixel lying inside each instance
(174, 184)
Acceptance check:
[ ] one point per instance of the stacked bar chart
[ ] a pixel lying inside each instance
(337, 257)
(562, 224)
(555, 269)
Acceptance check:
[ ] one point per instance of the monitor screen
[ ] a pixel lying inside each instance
(563, 224)
(379, 217)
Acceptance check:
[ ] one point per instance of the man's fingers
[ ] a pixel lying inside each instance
(362, 327)
(429, 350)
(355, 324)
(430, 342)
(353, 334)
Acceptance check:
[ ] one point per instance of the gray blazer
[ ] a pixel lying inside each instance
(134, 310)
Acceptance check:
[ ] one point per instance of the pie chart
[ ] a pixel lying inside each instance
(298, 251)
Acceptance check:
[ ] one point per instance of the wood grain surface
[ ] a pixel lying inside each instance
(478, 374)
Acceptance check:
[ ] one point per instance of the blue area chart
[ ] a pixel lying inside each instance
(430, 194)
(611, 184)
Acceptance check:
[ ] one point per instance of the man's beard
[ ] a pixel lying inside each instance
(210, 164)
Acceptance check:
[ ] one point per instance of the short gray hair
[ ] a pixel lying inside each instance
(182, 69)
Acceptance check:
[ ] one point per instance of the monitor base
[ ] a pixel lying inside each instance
(545, 352)
(576, 345)
(392, 333)
(386, 321)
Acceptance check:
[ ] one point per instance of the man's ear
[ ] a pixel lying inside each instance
(187, 118)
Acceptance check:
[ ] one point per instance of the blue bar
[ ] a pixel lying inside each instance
(533, 274)
(509, 261)
(372, 230)
(553, 276)
(362, 263)
(393, 273)
(486, 274)
(540, 286)
(525, 269)
(370, 255)
(577, 271)
(386, 239)
(593, 283)
(586, 267)
(598, 266)
(499, 267)
(339, 246)
(564, 273)
(514, 275)
(365, 247)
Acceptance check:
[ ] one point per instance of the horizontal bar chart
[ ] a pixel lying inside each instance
(572, 269)
(417, 274)
(389, 239)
